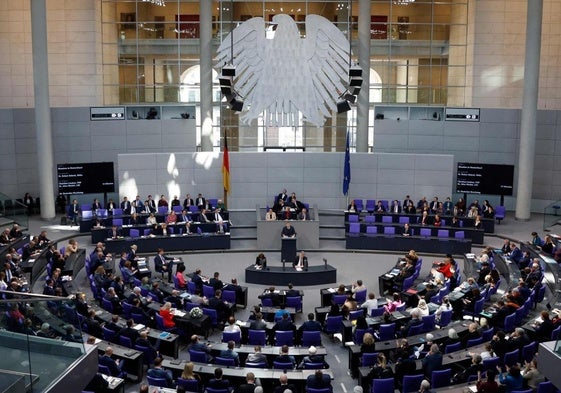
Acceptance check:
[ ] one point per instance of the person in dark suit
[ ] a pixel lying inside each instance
(151, 203)
(113, 365)
(229, 353)
(301, 261)
(425, 219)
(114, 324)
(158, 372)
(73, 213)
(129, 331)
(114, 232)
(164, 263)
(110, 206)
(284, 357)
(319, 380)
(249, 386)
(283, 196)
(433, 361)
(197, 280)
(126, 206)
(222, 309)
(291, 292)
(433, 205)
(271, 294)
(544, 328)
(96, 205)
(284, 385)
(184, 217)
(288, 230)
(395, 207)
(93, 326)
(515, 254)
(200, 201)
(380, 207)
(217, 382)
(215, 281)
(188, 202)
(311, 325)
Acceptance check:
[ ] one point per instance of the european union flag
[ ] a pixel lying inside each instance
(347, 171)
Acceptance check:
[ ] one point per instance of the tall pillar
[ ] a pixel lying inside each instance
(43, 130)
(527, 144)
(364, 62)
(206, 74)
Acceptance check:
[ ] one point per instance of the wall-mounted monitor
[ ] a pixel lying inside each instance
(491, 179)
(85, 178)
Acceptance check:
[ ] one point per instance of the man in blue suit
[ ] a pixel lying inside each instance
(159, 372)
(113, 365)
(319, 380)
(515, 254)
(126, 206)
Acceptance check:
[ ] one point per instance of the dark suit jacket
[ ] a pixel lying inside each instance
(111, 234)
(110, 364)
(246, 388)
(431, 363)
(126, 206)
(201, 202)
(218, 383)
(284, 325)
(313, 382)
(188, 202)
(282, 388)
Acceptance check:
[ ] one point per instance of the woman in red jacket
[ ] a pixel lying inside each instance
(166, 313)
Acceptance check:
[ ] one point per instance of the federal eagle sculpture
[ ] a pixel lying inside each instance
(287, 74)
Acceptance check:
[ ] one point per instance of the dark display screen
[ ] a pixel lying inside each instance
(491, 179)
(86, 178)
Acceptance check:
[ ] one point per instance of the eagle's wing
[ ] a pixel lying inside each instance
(327, 54)
(249, 48)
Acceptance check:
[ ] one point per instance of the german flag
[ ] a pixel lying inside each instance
(226, 166)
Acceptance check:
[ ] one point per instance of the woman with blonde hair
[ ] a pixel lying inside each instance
(423, 308)
(188, 372)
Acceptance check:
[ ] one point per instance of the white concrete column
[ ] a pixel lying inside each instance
(206, 74)
(527, 146)
(43, 130)
(364, 62)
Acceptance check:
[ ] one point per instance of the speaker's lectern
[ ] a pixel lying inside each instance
(288, 250)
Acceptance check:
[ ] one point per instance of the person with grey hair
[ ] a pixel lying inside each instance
(433, 361)
(414, 321)
(357, 389)
(425, 386)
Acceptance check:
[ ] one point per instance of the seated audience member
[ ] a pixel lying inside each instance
(368, 345)
(171, 217)
(249, 386)
(257, 356)
(303, 215)
(188, 372)
(261, 261)
(313, 357)
(196, 345)
(381, 369)
(114, 366)
(218, 382)
(180, 278)
(231, 325)
(167, 315)
(392, 305)
(163, 263)
(511, 379)
(229, 353)
(215, 281)
(284, 385)
(273, 295)
(545, 327)
(352, 208)
(318, 380)
(548, 246)
(395, 207)
(159, 372)
(270, 215)
(300, 261)
(379, 207)
(284, 357)
(258, 323)
(222, 307)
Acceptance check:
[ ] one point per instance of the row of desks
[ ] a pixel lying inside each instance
(433, 245)
(100, 234)
(488, 224)
(150, 244)
(476, 235)
(390, 345)
(236, 375)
